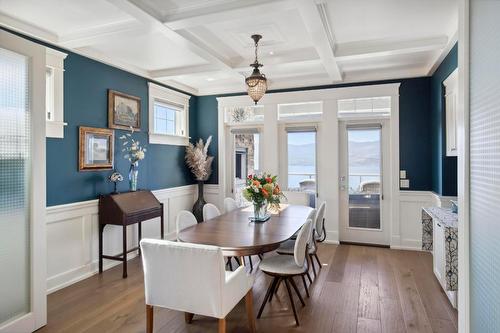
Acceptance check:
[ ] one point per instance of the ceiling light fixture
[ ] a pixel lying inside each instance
(256, 82)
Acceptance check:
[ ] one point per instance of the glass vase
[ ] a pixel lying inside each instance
(259, 210)
(133, 175)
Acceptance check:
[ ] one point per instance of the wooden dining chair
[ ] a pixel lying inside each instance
(184, 220)
(191, 278)
(285, 268)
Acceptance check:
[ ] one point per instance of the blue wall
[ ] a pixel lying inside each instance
(444, 169)
(85, 104)
(414, 132)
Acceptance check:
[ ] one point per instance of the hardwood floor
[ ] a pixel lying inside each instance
(359, 289)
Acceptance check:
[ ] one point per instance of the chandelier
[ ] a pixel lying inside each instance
(256, 82)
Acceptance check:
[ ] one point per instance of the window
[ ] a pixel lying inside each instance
(301, 159)
(311, 111)
(54, 93)
(168, 116)
(377, 106)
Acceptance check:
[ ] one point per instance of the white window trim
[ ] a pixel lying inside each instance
(157, 92)
(55, 61)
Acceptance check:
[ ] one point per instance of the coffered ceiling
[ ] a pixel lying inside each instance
(204, 46)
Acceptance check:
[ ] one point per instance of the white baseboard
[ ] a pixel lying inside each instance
(332, 237)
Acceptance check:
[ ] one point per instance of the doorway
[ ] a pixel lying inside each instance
(364, 149)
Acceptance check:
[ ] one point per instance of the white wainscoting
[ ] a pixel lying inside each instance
(410, 217)
(72, 235)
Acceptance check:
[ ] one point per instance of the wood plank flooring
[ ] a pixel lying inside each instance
(359, 289)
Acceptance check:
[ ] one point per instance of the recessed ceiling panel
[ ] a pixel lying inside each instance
(64, 16)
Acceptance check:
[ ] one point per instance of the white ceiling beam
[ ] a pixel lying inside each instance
(381, 48)
(193, 46)
(185, 70)
(316, 21)
(439, 59)
(225, 12)
(93, 35)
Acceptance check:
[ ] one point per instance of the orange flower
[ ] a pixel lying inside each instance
(269, 179)
(265, 193)
(256, 183)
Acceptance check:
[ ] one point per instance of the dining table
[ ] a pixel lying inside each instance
(238, 236)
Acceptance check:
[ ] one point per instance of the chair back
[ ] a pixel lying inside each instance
(184, 220)
(299, 252)
(230, 204)
(210, 211)
(312, 216)
(320, 219)
(183, 276)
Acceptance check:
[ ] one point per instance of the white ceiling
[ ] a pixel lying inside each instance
(204, 46)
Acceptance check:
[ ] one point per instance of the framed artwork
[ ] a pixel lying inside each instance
(124, 111)
(96, 149)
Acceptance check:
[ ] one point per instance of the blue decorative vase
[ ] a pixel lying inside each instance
(132, 176)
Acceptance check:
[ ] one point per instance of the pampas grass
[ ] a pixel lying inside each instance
(198, 161)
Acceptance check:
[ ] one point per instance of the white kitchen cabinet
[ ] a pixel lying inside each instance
(439, 259)
(451, 98)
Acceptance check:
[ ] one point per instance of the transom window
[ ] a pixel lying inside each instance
(380, 106)
(168, 116)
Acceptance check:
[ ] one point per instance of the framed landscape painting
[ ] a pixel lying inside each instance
(124, 111)
(95, 149)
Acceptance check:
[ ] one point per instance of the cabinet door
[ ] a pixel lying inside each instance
(438, 254)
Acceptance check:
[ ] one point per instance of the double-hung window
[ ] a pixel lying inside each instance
(168, 116)
(54, 93)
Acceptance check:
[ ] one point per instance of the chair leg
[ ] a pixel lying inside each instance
(312, 265)
(271, 286)
(305, 285)
(261, 256)
(309, 278)
(237, 260)
(277, 286)
(188, 317)
(317, 259)
(292, 282)
(274, 291)
(222, 325)
(249, 306)
(291, 301)
(251, 264)
(230, 263)
(149, 318)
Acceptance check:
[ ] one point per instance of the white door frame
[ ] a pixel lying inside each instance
(38, 315)
(360, 235)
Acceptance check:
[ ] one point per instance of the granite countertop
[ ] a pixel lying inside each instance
(444, 215)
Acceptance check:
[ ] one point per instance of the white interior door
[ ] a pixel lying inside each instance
(364, 210)
(22, 182)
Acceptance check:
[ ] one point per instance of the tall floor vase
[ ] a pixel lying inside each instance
(198, 205)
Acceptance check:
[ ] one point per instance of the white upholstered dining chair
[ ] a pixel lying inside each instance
(319, 228)
(285, 268)
(230, 204)
(184, 220)
(210, 211)
(191, 278)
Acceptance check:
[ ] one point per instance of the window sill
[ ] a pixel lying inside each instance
(54, 129)
(163, 139)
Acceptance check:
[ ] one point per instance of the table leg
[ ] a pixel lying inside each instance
(124, 251)
(140, 237)
(101, 231)
(162, 222)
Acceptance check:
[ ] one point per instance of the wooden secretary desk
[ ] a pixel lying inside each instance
(124, 209)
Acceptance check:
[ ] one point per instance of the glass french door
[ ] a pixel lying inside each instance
(244, 160)
(22, 182)
(362, 164)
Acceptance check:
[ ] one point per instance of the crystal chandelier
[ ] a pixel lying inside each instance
(256, 82)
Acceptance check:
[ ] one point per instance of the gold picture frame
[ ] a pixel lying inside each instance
(96, 149)
(124, 111)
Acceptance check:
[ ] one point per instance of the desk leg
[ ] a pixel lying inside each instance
(124, 251)
(162, 225)
(101, 231)
(140, 237)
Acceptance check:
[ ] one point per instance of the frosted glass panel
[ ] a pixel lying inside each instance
(15, 159)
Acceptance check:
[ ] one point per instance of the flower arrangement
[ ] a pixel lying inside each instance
(134, 153)
(198, 161)
(262, 190)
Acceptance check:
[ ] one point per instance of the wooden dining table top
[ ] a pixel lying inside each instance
(238, 236)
